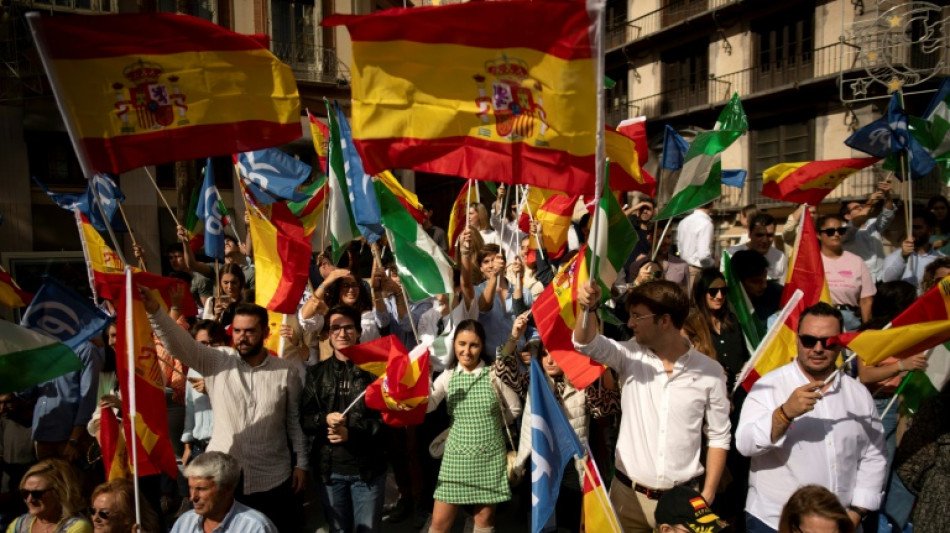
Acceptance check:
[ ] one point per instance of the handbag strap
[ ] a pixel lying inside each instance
(504, 408)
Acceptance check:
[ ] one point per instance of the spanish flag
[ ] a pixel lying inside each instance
(807, 275)
(373, 356)
(401, 395)
(599, 515)
(466, 198)
(554, 211)
(145, 89)
(281, 258)
(321, 136)
(923, 325)
(11, 295)
(115, 457)
(809, 182)
(497, 91)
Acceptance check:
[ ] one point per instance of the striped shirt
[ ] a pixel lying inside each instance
(256, 409)
(240, 519)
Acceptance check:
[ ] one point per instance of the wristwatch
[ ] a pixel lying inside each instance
(858, 511)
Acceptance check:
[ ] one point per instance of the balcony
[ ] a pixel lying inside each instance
(620, 31)
(95, 6)
(311, 63)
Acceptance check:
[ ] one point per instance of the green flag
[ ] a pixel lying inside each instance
(752, 328)
(614, 242)
(700, 179)
(343, 228)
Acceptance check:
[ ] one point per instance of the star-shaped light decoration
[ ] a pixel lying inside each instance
(894, 84)
(894, 21)
(860, 87)
(871, 55)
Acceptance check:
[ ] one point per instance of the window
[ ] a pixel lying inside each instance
(293, 32)
(784, 46)
(676, 11)
(787, 142)
(685, 76)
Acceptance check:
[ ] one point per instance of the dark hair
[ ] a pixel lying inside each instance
(700, 286)
(478, 329)
(214, 328)
(335, 290)
(487, 250)
(235, 270)
(891, 299)
(930, 279)
(231, 238)
(825, 218)
(749, 212)
(349, 312)
(634, 271)
(749, 263)
(844, 211)
(661, 297)
(247, 309)
(761, 219)
(929, 218)
(813, 500)
(821, 309)
(943, 225)
(175, 247)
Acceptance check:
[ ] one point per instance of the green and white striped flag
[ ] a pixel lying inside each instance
(343, 228)
(424, 269)
(918, 386)
(933, 129)
(700, 180)
(613, 243)
(752, 328)
(28, 357)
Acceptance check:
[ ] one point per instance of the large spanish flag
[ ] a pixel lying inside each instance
(144, 89)
(809, 182)
(281, 258)
(498, 91)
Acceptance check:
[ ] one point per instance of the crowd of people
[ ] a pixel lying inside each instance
(811, 447)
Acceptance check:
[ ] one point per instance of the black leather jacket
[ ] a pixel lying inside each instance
(365, 425)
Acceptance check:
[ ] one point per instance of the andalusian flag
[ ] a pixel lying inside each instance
(933, 130)
(401, 395)
(145, 89)
(809, 182)
(614, 242)
(311, 209)
(700, 179)
(11, 295)
(424, 269)
(281, 258)
(343, 228)
(28, 357)
(554, 210)
(496, 91)
(752, 328)
(467, 197)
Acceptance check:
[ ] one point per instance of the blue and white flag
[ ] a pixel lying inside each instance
(362, 195)
(890, 134)
(209, 210)
(553, 446)
(62, 313)
(272, 175)
(108, 191)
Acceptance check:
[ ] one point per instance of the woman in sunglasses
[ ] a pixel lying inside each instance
(51, 492)
(848, 277)
(113, 509)
(709, 296)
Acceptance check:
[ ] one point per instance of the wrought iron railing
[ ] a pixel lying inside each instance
(621, 31)
(311, 63)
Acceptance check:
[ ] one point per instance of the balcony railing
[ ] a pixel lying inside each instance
(311, 63)
(96, 6)
(620, 31)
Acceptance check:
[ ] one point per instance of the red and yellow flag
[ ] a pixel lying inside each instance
(145, 89)
(467, 197)
(373, 356)
(115, 457)
(407, 198)
(321, 136)
(402, 393)
(11, 295)
(281, 258)
(497, 91)
(599, 515)
(555, 312)
(155, 453)
(808, 275)
(625, 171)
(809, 182)
(554, 211)
(923, 325)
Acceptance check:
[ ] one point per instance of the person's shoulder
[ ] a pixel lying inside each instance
(246, 519)
(780, 375)
(78, 524)
(186, 522)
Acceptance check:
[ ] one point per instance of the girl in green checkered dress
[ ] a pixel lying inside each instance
(473, 464)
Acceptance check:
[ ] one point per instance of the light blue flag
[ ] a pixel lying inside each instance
(272, 175)
(553, 445)
(109, 193)
(64, 314)
(734, 177)
(209, 210)
(362, 195)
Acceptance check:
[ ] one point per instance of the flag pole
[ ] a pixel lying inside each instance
(772, 333)
(353, 403)
(594, 267)
(412, 322)
(133, 411)
(656, 244)
(538, 234)
(600, 165)
(105, 218)
(468, 202)
(897, 393)
(131, 234)
(162, 196)
(282, 342)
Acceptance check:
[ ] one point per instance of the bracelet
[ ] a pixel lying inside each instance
(783, 416)
(513, 339)
(321, 287)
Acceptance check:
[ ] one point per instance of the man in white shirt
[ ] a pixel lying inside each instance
(806, 424)
(672, 397)
(865, 233)
(908, 263)
(694, 240)
(761, 237)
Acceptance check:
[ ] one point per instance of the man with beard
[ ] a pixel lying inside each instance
(256, 408)
(806, 424)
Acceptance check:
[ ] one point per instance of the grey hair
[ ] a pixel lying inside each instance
(220, 467)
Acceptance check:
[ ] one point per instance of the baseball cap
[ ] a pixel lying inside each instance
(684, 506)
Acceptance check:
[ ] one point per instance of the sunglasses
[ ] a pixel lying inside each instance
(35, 494)
(101, 513)
(809, 341)
(349, 286)
(831, 231)
(716, 291)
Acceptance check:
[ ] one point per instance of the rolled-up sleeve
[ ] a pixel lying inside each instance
(602, 350)
(718, 428)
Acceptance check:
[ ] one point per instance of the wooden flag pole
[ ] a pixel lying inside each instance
(162, 196)
(132, 235)
(133, 408)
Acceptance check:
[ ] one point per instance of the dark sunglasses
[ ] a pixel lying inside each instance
(831, 231)
(809, 341)
(35, 494)
(715, 291)
(104, 515)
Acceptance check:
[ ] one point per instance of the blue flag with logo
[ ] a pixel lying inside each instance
(889, 135)
(362, 194)
(272, 175)
(209, 209)
(553, 445)
(108, 191)
(64, 314)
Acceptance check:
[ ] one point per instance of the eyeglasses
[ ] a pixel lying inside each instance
(809, 341)
(346, 328)
(716, 291)
(35, 494)
(101, 513)
(828, 232)
(634, 316)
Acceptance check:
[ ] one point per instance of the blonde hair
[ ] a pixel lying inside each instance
(482, 211)
(62, 480)
(124, 494)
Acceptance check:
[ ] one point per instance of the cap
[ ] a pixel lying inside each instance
(683, 505)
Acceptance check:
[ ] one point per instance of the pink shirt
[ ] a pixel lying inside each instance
(848, 279)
